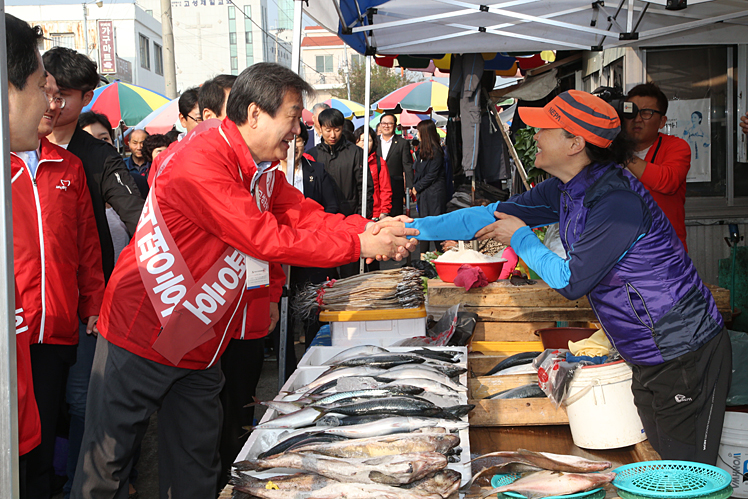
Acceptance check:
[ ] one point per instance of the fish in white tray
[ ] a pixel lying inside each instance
(312, 486)
(389, 426)
(387, 445)
(357, 351)
(340, 373)
(302, 417)
(553, 483)
(429, 385)
(396, 469)
(409, 372)
(385, 360)
(524, 460)
(450, 370)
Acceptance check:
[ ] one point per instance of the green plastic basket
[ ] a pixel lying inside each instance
(499, 480)
(671, 479)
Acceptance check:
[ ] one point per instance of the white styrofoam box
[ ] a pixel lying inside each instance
(317, 356)
(382, 333)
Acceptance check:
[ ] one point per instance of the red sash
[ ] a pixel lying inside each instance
(186, 309)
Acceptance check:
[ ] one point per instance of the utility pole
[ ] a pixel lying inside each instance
(347, 71)
(170, 66)
(85, 26)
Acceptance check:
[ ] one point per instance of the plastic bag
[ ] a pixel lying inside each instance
(555, 374)
(739, 387)
(439, 335)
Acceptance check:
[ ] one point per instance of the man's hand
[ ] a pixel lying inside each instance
(91, 325)
(502, 229)
(274, 316)
(389, 242)
(398, 221)
(744, 123)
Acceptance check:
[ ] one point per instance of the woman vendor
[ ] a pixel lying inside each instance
(626, 257)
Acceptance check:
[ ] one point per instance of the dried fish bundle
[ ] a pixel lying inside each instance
(383, 289)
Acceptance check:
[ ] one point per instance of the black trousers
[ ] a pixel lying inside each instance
(682, 402)
(124, 392)
(241, 364)
(398, 194)
(49, 367)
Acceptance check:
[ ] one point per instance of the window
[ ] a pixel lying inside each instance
(234, 65)
(357, 60)
(232, 38)
(149, 12)
(158, 59)
(145, 52)
(248, 37)
(324, 63)
(66, 40)
(232, 12)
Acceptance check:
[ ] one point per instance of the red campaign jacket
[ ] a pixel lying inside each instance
(204, 195)
(382, 185)
(668, 162)
(56, 249)
(29, 426)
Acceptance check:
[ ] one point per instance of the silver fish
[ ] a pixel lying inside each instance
(531, 390)
(388, 426)
(302, 417)
(409, 372)
(357, 351)
(429, 385)
(553, 483)
(340, 373)
(387, 445)
(450, 370)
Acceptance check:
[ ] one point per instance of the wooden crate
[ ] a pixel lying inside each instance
(517, 412)
(508, 331)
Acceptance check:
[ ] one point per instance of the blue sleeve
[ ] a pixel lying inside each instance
(536, 207)
(613, 226)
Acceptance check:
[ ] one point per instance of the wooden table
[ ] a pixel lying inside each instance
(555, 439)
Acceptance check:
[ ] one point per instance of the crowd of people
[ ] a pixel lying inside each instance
(149, 283)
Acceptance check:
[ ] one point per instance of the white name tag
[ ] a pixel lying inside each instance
(258, 273)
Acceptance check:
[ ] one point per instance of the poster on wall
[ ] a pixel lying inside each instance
(691, 121)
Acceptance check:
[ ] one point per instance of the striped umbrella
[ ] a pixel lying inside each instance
(124, 102)
(307, 117)
(161, 120)
(419, 97)
(347, 107)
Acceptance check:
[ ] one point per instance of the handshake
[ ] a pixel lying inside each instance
(387, 239)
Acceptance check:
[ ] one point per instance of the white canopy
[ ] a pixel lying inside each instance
(466, 26)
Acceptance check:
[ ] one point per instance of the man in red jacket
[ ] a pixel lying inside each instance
(218, 211)
(661, 162)
(27, 103)
(58, 271)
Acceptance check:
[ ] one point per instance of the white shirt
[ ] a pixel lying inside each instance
(643, 153)
(298, 178)
(31, 158)
(386, 144)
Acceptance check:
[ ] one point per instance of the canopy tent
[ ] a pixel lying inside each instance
(467, 26)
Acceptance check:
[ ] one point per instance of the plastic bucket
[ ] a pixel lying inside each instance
(733, 451)
(601, 409)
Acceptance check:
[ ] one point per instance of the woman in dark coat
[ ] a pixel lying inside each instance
(429, 183)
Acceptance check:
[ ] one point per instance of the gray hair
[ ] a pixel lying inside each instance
(321, 106)
(266, 85)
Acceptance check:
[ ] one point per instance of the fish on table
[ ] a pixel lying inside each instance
(397, 469)
(553, 483)
(312, 486)
(387, 445)
(531, 390)
(524, 460)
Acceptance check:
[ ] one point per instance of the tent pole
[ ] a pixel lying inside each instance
(290, 162)
(365, 169)
(9, 481)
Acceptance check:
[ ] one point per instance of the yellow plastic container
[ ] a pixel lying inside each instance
(505, 348)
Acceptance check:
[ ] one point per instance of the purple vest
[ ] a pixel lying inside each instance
(652, 305)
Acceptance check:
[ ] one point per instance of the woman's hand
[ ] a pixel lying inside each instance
(501, 230)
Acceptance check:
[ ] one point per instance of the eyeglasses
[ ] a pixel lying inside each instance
(384, 123)
(196, 120)
(646, 114)
(56, 100)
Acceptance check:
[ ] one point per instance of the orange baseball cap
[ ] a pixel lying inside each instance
(577, 112)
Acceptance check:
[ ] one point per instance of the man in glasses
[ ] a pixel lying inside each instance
(189, 110)
(661, 162)
(396, 152)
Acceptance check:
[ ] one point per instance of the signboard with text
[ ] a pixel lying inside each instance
(107, 56)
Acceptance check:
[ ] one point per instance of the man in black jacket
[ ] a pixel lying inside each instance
(109, 182)
(396, 153)
(344, 163)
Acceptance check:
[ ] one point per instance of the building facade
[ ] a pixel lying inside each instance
(324, 57)
(134, 48)
(214, 37)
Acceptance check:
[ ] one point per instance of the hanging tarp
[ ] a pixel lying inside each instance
(467, 26)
